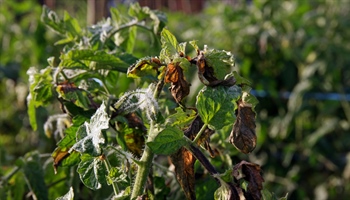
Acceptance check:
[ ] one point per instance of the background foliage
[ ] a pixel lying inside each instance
(295, 53)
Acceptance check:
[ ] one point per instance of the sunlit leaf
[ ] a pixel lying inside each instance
(144, 67)
(216, 105)
(221, 61)
(181, 118)
(81, 59)
(167, 141)
(71, 25)
(40, 93)
(170, 46)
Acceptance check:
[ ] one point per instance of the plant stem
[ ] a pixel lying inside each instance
(144, 167)
(199, 133)
(114, 185)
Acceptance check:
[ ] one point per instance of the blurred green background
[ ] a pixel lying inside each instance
(296, 53)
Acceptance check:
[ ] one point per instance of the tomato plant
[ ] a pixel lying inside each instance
(119, 121)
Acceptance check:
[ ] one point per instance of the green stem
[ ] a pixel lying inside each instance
(199, 133)
(144, 167)
(114, 185)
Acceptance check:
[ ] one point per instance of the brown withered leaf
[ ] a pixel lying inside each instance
(179, 88)
(184, 170)
(184, 160)
(58, 156)
(205, 72)
(252, 174)
(135, 140)
(243, 135)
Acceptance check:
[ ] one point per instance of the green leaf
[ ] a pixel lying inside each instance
(32, 113)
(193, 43)
(82, 59)
(51, 20)
(170, 46)
(168, 141)
(71, 25)
(40, 91)
(240, 80)
(68, 196)
(158, 19)
(34, 174)
(216, 105)
(247, 98)
(79, 97)
(221, 61)
(130, 40)
(223, 192)
(181, 118)
(89, 136)
(92, 171)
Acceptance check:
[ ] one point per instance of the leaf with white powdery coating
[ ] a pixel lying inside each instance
(89, 135)
(92, 171)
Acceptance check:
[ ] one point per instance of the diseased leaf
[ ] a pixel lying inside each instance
(170, 47)
(144, 67)
(252, 174)
(92, 171)
(179, 88)
(81, 98)
(89, 136)
(221, 61)
(248, 99)
(183, 161)
(168, 141)
(228, 191)
(68, 196)
(216, 106)
(131, 133)
(243, 135)
(213, 66)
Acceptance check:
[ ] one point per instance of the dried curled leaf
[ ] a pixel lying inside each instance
(252, 174)
(184, 160)
(144, 67)
(179, 88)
(184, 170)
(243, 135)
